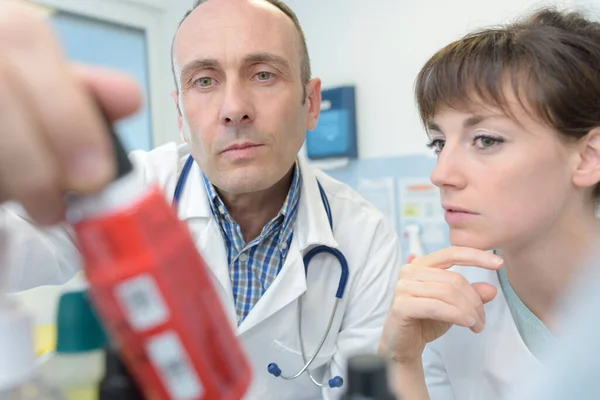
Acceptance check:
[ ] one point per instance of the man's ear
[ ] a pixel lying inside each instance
(175, 96)
(587, 173)
(313, 98)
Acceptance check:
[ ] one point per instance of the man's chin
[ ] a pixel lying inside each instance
(242, 183)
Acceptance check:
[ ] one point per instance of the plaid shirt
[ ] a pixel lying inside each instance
(254, 266)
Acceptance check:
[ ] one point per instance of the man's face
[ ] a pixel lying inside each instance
(241, 97)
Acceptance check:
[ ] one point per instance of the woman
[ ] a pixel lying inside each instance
(514, 116)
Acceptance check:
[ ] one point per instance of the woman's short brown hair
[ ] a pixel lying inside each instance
(550, 59)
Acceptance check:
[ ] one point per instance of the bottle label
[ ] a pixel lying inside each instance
(166, 352)
(142, 301)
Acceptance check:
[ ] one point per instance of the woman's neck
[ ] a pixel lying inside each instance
(540, 269)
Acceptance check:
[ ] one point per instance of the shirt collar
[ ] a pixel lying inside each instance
(287, 212)
(311, 227)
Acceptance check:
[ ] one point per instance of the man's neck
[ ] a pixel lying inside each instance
(540, 270)
(252, 211)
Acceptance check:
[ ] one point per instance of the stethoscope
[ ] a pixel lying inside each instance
(273, 369)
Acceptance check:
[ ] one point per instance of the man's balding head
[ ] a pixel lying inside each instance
(282, 7)
(243, 80)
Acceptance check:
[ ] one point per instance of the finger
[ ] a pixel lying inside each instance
(444, 292)
(410, 258)
(455, 255)
(451, 278)
(118, 94)
(63, 108)
(485, 291)
(28, 174)
(418, 308)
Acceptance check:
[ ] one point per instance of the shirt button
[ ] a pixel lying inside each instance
(284, 246)
(243, 257)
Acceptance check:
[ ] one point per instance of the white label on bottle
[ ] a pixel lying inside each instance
(167, 354)
(144, 305)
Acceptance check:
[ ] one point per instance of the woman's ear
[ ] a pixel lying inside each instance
(587, 173)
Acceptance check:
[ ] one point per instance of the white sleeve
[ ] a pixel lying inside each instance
(34, 256)
(31, 255)
(436, 376)
(370, 302)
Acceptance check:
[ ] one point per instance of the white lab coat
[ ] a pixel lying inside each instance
(270, 331)
(462, 365)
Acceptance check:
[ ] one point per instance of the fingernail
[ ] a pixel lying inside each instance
(480, 327)
(497, 260)
(471, 321)
(90, 167)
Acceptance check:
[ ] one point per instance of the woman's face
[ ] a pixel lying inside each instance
(503, 181)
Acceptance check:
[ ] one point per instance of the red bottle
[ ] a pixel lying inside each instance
(153, 291)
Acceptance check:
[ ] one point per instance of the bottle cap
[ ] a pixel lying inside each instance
(78, 327)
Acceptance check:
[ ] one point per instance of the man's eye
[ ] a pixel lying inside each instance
(264, 76)
(203, 82)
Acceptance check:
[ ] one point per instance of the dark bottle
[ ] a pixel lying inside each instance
(367, 379)
(117, 383)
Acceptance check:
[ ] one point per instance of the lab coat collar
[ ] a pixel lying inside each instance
(311, 229)
(312, 226)
(194, 199)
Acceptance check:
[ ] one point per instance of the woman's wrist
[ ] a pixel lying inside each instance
(407, 379)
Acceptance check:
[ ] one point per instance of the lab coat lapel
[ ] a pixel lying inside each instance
(312, 225)
(311, 228)
(289, 284)
(194, 209)
(212, 249)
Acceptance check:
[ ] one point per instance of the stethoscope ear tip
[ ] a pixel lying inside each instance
(274, 369)
(336, 382)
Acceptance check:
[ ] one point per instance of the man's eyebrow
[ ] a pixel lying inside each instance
(267, 58)
(263, 57)
(199, 64)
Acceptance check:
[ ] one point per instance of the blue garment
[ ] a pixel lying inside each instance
(254, 266)
(533, 331)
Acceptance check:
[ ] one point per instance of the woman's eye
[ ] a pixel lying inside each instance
(486, 142)
(437, 145)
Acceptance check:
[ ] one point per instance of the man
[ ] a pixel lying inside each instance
(245, 99)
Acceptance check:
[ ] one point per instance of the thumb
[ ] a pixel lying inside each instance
(118, 94)
(486, 291)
